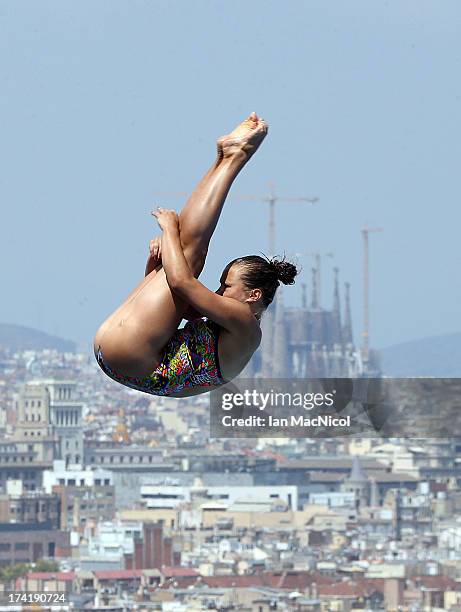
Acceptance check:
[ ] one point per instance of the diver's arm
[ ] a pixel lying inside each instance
(154, 262)
(227, 312)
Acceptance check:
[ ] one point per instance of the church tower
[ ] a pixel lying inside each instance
(358, 483)
(280, 366)
(347, 329)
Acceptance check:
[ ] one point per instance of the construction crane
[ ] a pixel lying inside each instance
(366, 291)
(272, 199)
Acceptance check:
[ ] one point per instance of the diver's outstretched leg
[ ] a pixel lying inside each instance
(133, 337)
(199, 217)
(200, 214)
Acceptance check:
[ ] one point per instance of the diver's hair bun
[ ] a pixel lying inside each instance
(286, 271)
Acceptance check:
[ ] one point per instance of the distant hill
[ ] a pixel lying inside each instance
(19, 338)
(438, 356)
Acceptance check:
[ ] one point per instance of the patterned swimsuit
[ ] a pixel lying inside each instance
(190, 359)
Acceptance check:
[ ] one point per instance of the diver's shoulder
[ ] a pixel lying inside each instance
(253, 333)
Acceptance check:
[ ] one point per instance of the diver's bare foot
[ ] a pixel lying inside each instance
(245, 139)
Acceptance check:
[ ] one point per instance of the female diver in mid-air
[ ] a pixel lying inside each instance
(140, 344)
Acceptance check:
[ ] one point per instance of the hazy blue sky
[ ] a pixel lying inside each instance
(107, 103)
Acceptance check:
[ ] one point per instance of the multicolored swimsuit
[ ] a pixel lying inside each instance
(190, 359)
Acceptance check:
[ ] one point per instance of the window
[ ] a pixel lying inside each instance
(5, 546)
(21, 546)
(106, 481)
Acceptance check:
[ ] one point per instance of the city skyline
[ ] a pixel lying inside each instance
(112, 496)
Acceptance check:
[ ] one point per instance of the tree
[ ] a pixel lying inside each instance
(45, 565)
(9, 573)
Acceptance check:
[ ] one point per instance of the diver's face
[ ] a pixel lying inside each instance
(232, 285)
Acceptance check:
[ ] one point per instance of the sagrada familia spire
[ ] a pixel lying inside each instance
(307, 342)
